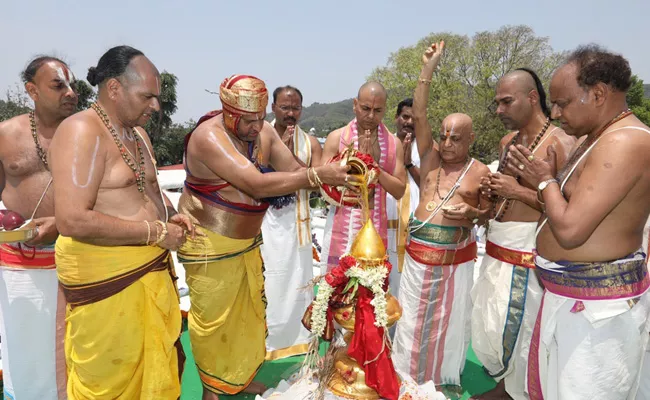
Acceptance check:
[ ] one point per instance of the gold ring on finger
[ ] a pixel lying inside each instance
(531, 158)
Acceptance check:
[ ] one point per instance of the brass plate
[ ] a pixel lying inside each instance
(23, 234)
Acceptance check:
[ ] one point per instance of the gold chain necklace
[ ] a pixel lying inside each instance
(39, 149)
(431, 205)
(139, 169)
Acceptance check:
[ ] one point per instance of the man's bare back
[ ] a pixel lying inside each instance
(613, 183)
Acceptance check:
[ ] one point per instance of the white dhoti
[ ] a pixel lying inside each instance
(506, 299)
(288, 267)
(432, 335)
(287, 271)
(33, 325)
(591, 335)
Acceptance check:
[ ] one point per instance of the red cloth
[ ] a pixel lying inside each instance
(367, 342)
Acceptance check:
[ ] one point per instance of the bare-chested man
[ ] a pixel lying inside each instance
(433, 334)
(113, 259)
(507, 294)
(28, 282)
(592, 330)
(368, 135)
(286, 231)
(224, 194)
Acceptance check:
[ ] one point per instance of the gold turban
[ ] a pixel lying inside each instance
(242, 95)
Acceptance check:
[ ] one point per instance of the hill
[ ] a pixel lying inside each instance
(325, 117)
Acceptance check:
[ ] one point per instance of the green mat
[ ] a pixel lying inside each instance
(474, 379)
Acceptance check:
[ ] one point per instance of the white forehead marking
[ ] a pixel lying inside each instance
(61, 75)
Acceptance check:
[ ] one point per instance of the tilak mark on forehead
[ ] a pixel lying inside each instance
(65, 75)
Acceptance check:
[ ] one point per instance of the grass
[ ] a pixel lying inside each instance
(474, 380)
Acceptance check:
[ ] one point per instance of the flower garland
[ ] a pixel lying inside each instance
(373, 279)
(319, 310)
(351, 274)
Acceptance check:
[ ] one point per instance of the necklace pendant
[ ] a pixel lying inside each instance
(431, 206)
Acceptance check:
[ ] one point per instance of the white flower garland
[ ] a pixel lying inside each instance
(319, 311)
(371, 278)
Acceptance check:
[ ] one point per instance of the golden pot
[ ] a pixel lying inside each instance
(344, 316)
(349, 379)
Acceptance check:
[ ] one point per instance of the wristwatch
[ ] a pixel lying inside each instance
(543, 185)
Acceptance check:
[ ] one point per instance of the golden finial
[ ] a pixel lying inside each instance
(367, 247)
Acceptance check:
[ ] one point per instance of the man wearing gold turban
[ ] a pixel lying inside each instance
(227, 196)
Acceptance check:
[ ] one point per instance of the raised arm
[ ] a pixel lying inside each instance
(428, 154)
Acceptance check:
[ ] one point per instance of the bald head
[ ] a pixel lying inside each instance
(457, 123)
(370, 105)
(456, 137)
(520, 96)
(372, 89)
(518, 80)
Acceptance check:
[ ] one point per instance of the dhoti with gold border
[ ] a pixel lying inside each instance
(591, 333)
(506, 299)
(123, 321)
(432, 336)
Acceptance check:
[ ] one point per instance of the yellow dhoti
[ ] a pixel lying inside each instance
(123, 321)
(227, 315)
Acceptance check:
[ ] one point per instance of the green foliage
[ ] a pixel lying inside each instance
(85, 94)
(467, 76)
(324, 117)
(637, 100)
(16, 103)
(169, 145)
(167, 137)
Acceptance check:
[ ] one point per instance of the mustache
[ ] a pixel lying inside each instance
(290, 119)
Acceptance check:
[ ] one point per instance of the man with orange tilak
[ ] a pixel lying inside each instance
(226, 195)
(432, 336)
(31, 308)
(591, 333)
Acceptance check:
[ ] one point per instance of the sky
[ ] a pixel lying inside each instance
(325, 48)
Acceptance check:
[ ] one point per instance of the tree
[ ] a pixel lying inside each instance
(467, 76)
(637, 101)
(86, 94)
(17, 102)
(165, 136)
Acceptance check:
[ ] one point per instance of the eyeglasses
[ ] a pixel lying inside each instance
(288, 108)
